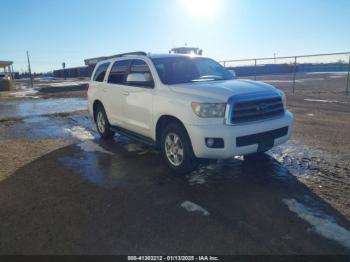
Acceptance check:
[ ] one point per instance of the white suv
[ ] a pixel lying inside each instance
(191, 107)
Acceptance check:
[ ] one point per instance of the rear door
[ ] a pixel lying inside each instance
(137, 101)
(114, 86)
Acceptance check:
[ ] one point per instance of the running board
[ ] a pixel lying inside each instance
(134, 136)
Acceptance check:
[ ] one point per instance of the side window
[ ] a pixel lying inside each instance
(141, 67)
(118, 72)
(101, 72)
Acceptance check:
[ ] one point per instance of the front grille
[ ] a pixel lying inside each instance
(253, 110)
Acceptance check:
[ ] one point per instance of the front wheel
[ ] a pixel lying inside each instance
(177, 149)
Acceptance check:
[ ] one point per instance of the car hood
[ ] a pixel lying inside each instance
(222, 90)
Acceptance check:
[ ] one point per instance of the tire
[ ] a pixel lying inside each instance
(177, 149)
(102, 125)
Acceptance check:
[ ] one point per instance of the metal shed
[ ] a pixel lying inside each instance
(6, 70)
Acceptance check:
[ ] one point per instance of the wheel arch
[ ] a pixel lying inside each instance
(162, 122)
(188, 165)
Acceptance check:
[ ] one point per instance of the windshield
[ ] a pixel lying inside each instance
(178, 70)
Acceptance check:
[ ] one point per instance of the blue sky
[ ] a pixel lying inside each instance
(71, 30)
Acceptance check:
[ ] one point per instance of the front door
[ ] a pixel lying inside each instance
(137, 104)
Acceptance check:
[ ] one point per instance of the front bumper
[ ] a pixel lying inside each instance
(198, 133)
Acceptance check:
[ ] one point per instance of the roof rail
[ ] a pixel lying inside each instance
(94, 61)
(130, 53)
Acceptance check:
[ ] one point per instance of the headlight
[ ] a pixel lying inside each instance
(209, 109)
(284, 101)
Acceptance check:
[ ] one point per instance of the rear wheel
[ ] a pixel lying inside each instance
(102, 124)
(177, 149)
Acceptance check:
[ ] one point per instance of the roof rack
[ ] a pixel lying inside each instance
(94, 61)
(130, 53)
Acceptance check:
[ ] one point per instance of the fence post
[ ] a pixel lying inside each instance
(255, 70)
(295, 72)
(348, 79)
(224, 63)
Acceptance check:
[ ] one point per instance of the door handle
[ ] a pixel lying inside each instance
(126, 93)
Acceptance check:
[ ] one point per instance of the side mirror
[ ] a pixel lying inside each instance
(137, 79)
(233, 73)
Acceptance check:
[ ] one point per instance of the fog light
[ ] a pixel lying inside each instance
(210, 142)
(214, 142)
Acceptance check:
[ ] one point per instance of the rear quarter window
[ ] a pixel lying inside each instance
(118, 72)
(100, 72)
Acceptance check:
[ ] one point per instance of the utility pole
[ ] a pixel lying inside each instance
(295, 72)
(30, 71)
(348, 79)
(64, 70)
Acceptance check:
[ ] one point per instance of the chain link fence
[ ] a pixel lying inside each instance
(319, 73)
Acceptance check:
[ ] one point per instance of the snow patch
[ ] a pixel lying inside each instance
(61, 84)
(46, 78)
(291, 81)
(301, 160)
(88, 145)
(192, 207)
(321, 100)
(281, 81)
(335, 73)
(91, 146)
(336, 76)
(322, 224)
(24, 93)
(80, 133)
(312, 79)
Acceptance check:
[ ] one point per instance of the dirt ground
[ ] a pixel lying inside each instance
(16, 153)
(322, 125)
(64, 191)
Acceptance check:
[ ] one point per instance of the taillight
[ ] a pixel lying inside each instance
(87, 86)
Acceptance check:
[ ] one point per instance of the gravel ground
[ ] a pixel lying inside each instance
(16, 153)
